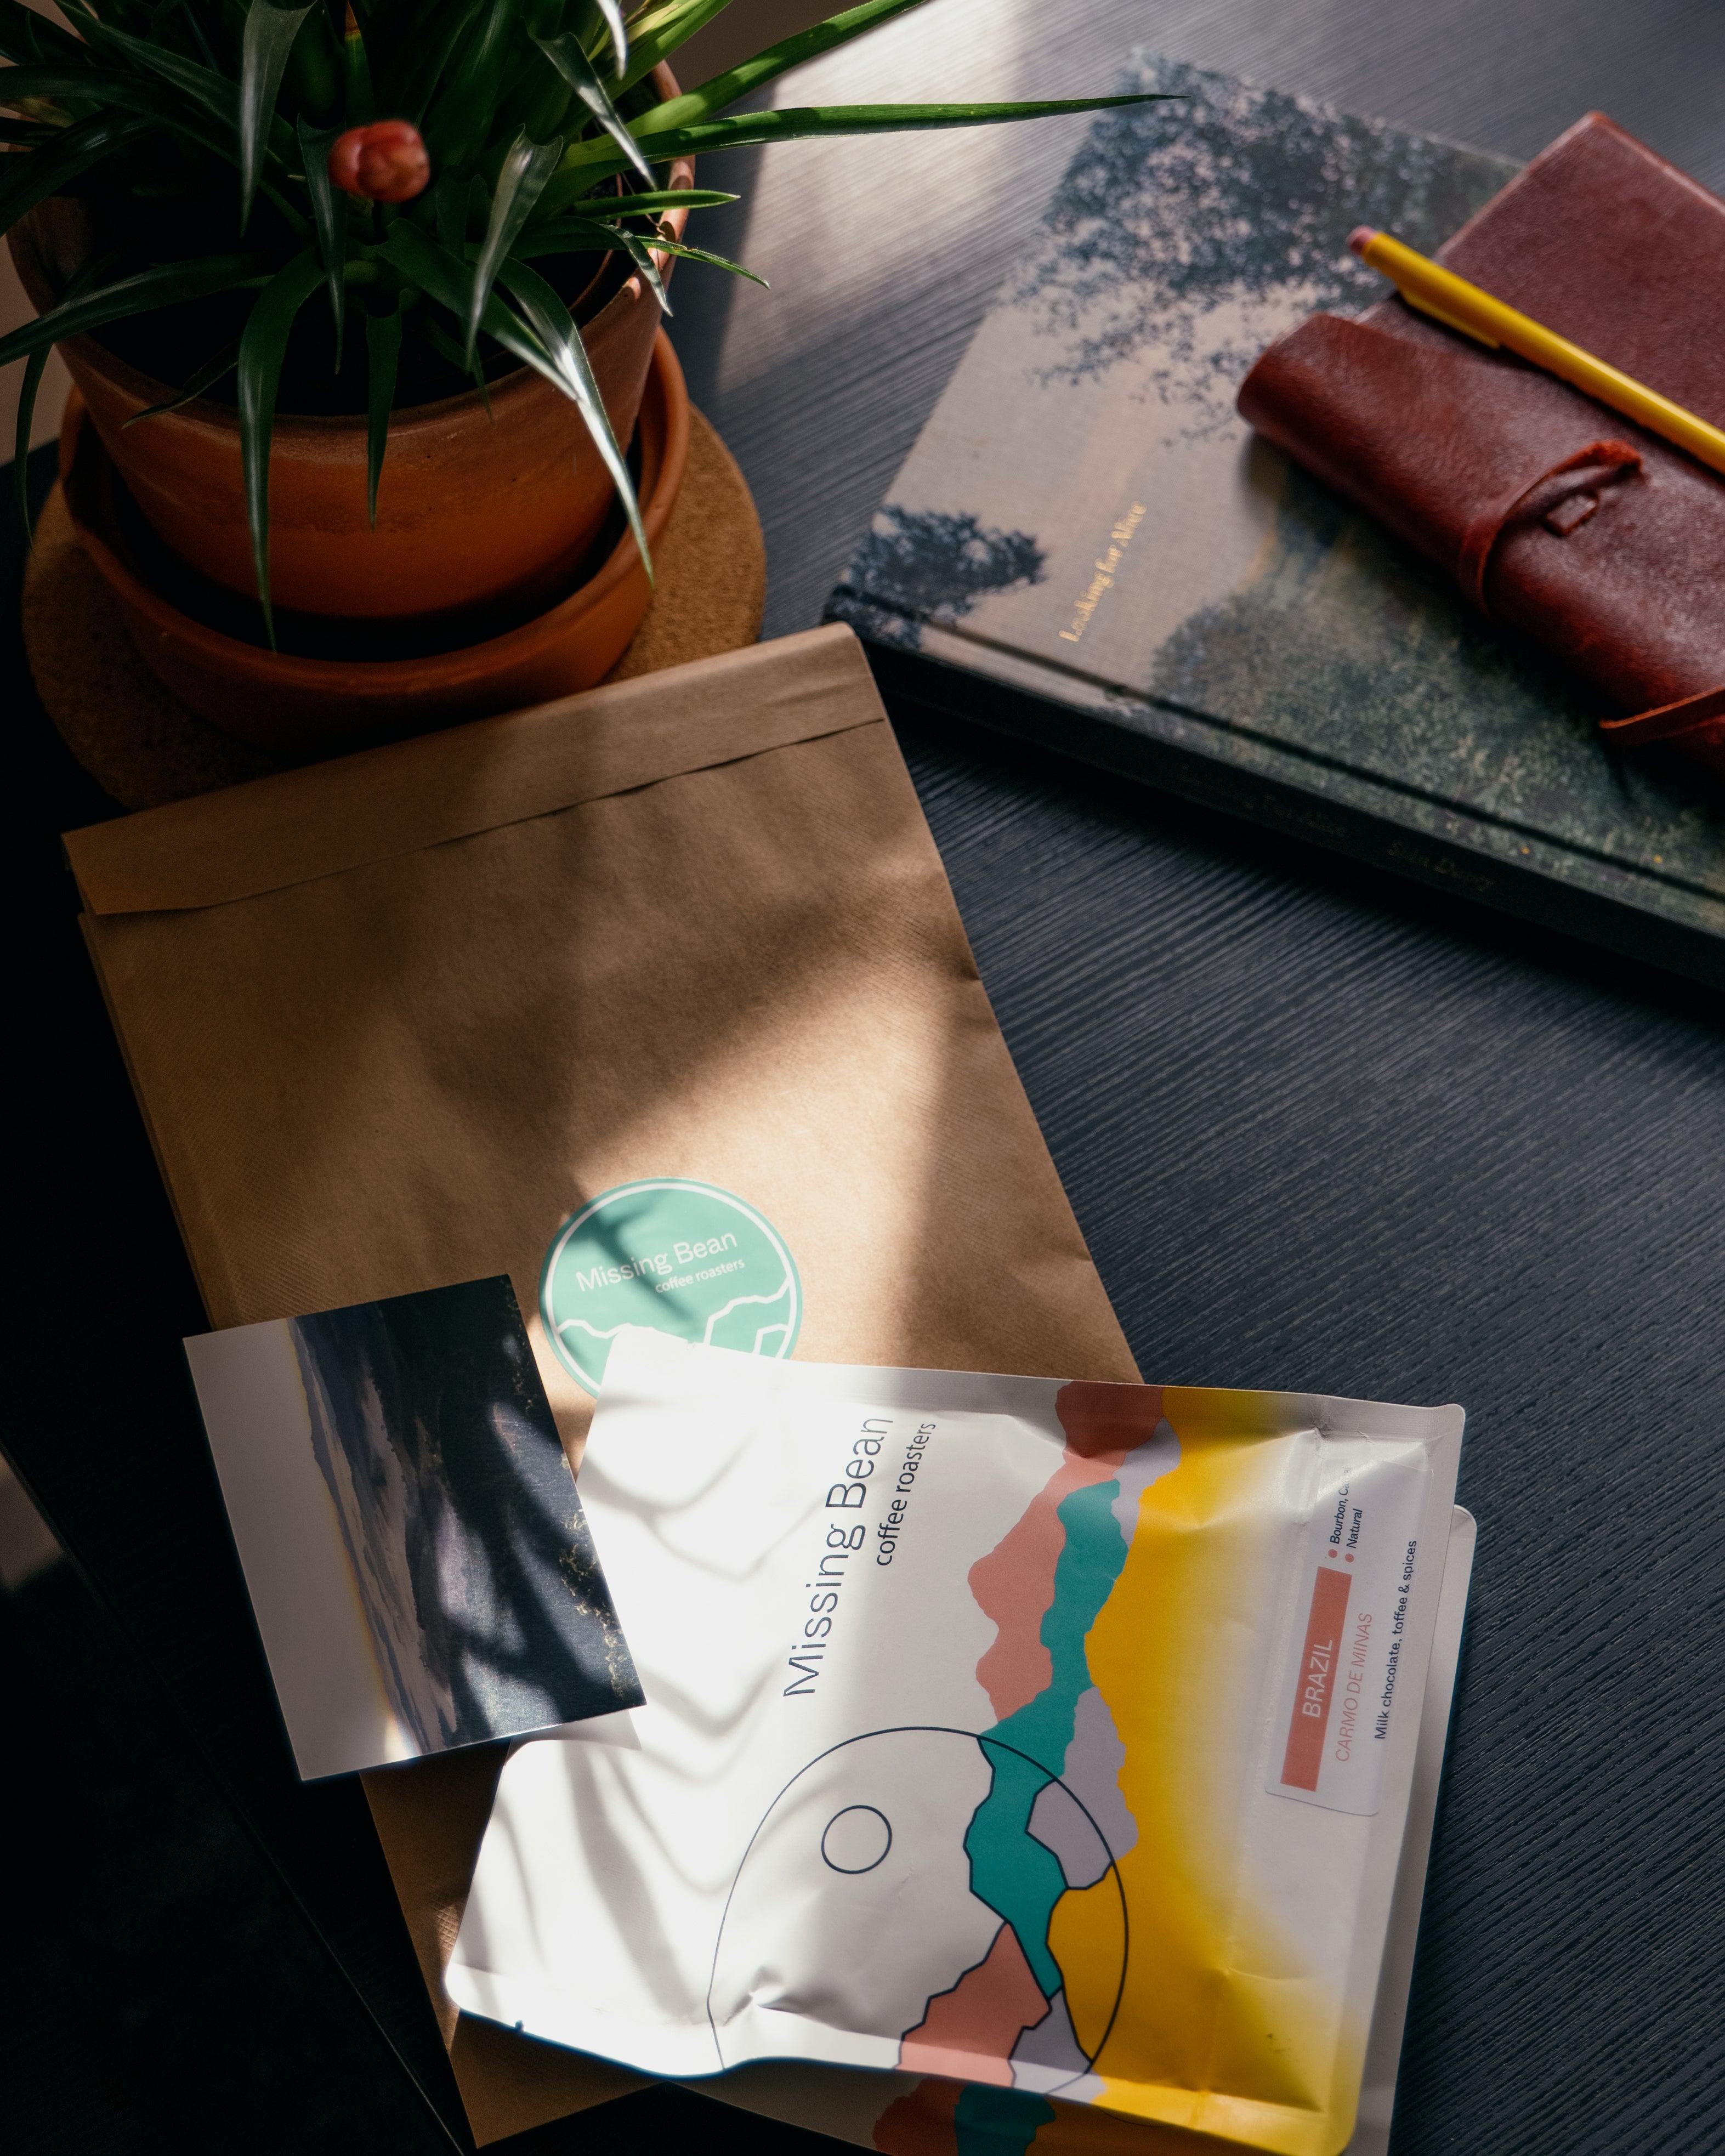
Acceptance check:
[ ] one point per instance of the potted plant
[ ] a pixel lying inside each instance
(362, 300)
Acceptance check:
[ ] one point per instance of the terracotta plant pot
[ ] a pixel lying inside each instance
(305, 706)
(476, 515)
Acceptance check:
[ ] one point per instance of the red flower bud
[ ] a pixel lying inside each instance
(383, 162)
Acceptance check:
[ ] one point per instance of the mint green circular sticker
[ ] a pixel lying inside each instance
(685, 1258)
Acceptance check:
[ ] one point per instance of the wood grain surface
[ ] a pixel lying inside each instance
(1321, 1128)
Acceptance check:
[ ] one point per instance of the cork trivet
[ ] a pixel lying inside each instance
(144, 748)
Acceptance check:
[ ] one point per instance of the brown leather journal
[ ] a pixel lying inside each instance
(1558, 517)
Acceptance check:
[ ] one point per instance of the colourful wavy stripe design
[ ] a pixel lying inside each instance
(1044, 1584)
(1132, 1613)
(1015, 1874)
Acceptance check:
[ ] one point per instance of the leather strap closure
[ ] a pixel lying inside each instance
(1695, 724)
(1561, 499)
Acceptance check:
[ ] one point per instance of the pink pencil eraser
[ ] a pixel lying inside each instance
(1361, 238)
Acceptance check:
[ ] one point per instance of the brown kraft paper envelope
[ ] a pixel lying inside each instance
(392, 1019)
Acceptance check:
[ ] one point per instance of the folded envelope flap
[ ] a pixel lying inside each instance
(384, 803)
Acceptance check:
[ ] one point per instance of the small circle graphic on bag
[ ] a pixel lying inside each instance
(684, 1258)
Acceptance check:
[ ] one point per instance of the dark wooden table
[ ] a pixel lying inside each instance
(1323, 1130)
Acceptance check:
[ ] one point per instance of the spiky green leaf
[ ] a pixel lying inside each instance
(329, 211)
(199, 85)
(461, 118)
(270, 35)
(410, 43)
(26, 36)
(566, 235)
(201, 378)
(637, 250)
(446, 348)
(71, 85)
(714, 261)
(656, 33)
(383, 359)
(315, 81)
(724, 90)
(263, 345)
(572, 63)
(142, 295)
(445, 279)
(191, 120)
(186, 13)
(526, 167)
(31, 178)
(611, 15)
(813, 120)
(361, 99)
(584, 162)
(651, 202)
(125, 14)
(554, 326)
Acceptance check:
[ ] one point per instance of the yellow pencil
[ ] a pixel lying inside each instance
(1451, 299)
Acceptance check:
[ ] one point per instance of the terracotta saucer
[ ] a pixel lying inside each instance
(145, 748)
(291, 703)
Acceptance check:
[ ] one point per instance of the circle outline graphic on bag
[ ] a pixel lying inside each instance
(851, 1774)
(673, 1253)
(870, 1854)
